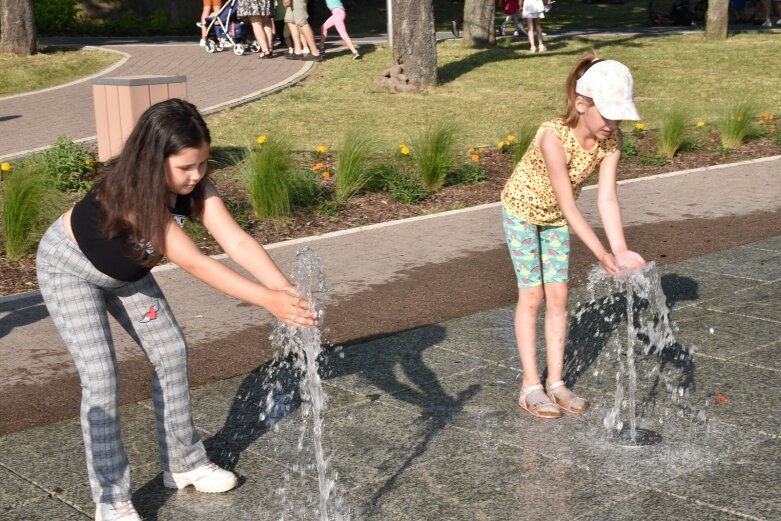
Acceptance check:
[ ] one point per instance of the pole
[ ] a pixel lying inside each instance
(390, 23)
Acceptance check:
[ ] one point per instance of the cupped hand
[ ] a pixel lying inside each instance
(292, 309)
(629, 260)
(609, 263)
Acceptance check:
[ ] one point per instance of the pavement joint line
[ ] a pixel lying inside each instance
(125, 57)
(708, 505)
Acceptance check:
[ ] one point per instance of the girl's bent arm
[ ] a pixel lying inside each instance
(238, 244)
(556, 163)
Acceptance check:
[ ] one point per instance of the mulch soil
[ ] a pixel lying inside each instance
(371, 208)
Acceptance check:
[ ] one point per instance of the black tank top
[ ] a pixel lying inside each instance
(113, 256)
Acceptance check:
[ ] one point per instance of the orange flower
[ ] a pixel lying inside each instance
(721, 399)
(318, 166)
(475, 158)
(326, 175)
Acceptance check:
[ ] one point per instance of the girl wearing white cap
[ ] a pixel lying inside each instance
(539, 210)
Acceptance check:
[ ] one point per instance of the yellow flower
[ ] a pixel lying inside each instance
(471, 150)
(639, 126)
(404, 149)
(261, 139)
(510, 138)
(89, 163)
(321, 149)
(318, 166)
(326, 175)
(700, 123)
(475, 158)
(500, 145)
(481, 150)
(761, 122)
(5, 167)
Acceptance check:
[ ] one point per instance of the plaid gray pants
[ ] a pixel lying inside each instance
(79, 298)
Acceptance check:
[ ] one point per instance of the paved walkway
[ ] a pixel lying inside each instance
(422, 424)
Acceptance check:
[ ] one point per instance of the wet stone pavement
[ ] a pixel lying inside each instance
(423, 425)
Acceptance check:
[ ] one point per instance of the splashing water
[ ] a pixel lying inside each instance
(648, 324)
(303, 346)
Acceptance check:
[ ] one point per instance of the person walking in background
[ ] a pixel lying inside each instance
(338, 14)
(511, 8)
(210, 8)
(538, 210)
(97, 258)
(260, 14)
(297, 19)
(533, 12)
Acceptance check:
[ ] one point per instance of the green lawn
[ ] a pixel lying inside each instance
(50, 67)
(490, 92)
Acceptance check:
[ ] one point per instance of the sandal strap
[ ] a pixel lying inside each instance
(555, 385)
(528, 390)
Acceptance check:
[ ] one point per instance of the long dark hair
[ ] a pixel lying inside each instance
(570, 118)
(133, 195)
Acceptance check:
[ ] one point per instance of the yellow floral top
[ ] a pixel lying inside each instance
(528, 194)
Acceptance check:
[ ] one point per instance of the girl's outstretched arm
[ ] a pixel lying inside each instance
(556, 163)
(281, 302)
(610, 211)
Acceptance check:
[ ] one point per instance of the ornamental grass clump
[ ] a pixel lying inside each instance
(735, 125)
(671, 132)
(266, 172)
(353, 164)
(29, 203)
(523, 138)
(434, 154)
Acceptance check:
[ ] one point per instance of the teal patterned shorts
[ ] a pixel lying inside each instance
(540, 254)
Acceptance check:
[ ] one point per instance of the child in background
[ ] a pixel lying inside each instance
(97, 258)
(338, 14)
(539, 210)
(511, 8)
(533, 12)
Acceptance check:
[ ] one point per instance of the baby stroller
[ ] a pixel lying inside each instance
(226, 30)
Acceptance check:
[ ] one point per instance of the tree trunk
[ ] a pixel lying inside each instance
(717, 19)
(415, 41)
(18, 26)
(479, 23)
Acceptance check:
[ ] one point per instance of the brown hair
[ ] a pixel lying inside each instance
(570, 118)
(132, 194)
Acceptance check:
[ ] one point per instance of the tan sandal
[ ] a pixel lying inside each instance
(534, 401)
(567, 400)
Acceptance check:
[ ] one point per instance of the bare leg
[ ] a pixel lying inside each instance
(530, 33)
(295, 35)
(538, 28)
(268, 29)
(257, 30)
(555, 328)
(205, 14)
(309, 38)
(529, 302)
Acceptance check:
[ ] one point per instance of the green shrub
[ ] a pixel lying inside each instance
(671, 132)
(401, 184)
(240, 210)
(353, 164)
(69, 165)
(629, 148)
(54, 16)
(266, 171)
(433, 154)
(29, 203)
(465, 174)
(158, 22)
(735, 125)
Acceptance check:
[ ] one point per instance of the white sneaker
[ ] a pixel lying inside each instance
(121, 511)
(206, 478)
(202, 43)
(767, 23)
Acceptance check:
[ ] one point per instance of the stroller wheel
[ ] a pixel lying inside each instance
(238, 49)
(219, 46)
(210, 46)
(254, 46)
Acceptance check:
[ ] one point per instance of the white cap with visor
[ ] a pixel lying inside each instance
(609, 83)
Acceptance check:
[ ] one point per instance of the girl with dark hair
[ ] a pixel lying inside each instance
(539, 208)
(96, 259)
